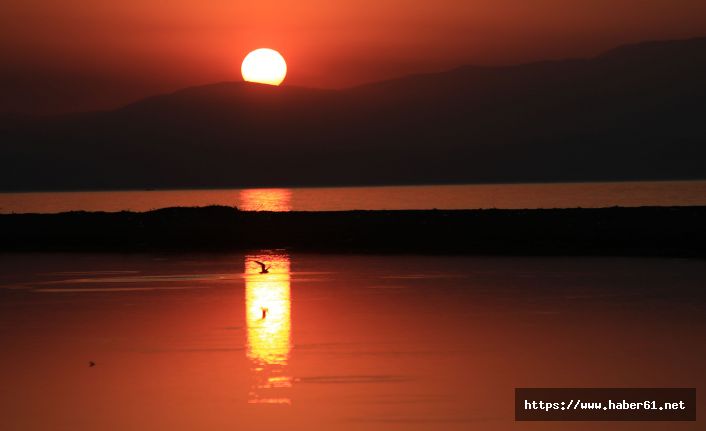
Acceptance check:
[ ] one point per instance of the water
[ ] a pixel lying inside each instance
(555, 195)
(346, 342)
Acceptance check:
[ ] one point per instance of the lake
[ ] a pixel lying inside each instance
(509, 196)
(341, 342)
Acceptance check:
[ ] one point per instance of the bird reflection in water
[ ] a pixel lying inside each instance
(268, 318)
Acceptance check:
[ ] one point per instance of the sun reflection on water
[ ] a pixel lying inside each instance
(268, 319)
(265, 200)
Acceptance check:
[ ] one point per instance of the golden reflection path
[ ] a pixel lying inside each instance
(269, 326)
(265, 200)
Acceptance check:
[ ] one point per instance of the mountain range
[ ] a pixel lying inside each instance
(635, 112)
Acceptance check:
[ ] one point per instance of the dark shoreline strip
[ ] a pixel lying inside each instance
(642, 231)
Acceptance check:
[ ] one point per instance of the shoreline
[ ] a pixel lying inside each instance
(616, 231)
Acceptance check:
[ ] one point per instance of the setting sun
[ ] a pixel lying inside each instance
(264, 66)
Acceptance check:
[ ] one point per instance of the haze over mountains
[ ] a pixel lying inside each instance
(636, 112)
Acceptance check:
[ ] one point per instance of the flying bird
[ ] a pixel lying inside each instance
(264, 269)
(91, 364)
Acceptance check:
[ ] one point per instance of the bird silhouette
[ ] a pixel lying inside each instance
(91, 364)
(264, 269)
(264, 311)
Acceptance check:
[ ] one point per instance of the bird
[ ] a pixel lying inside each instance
(264, 269)
(91, 364)
(264, 311)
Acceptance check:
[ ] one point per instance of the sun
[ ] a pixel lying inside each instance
(264, 66)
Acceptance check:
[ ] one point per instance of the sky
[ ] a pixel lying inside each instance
(74, 55)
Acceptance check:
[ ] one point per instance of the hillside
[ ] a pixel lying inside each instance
(635, 112)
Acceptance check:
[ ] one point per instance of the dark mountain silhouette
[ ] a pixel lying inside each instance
(636, 112)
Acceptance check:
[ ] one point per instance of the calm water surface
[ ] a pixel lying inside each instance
(335, 342)
(558, 195)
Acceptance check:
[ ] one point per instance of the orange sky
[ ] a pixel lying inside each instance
(85, 54)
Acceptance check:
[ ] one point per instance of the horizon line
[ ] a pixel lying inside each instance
(356, 86)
